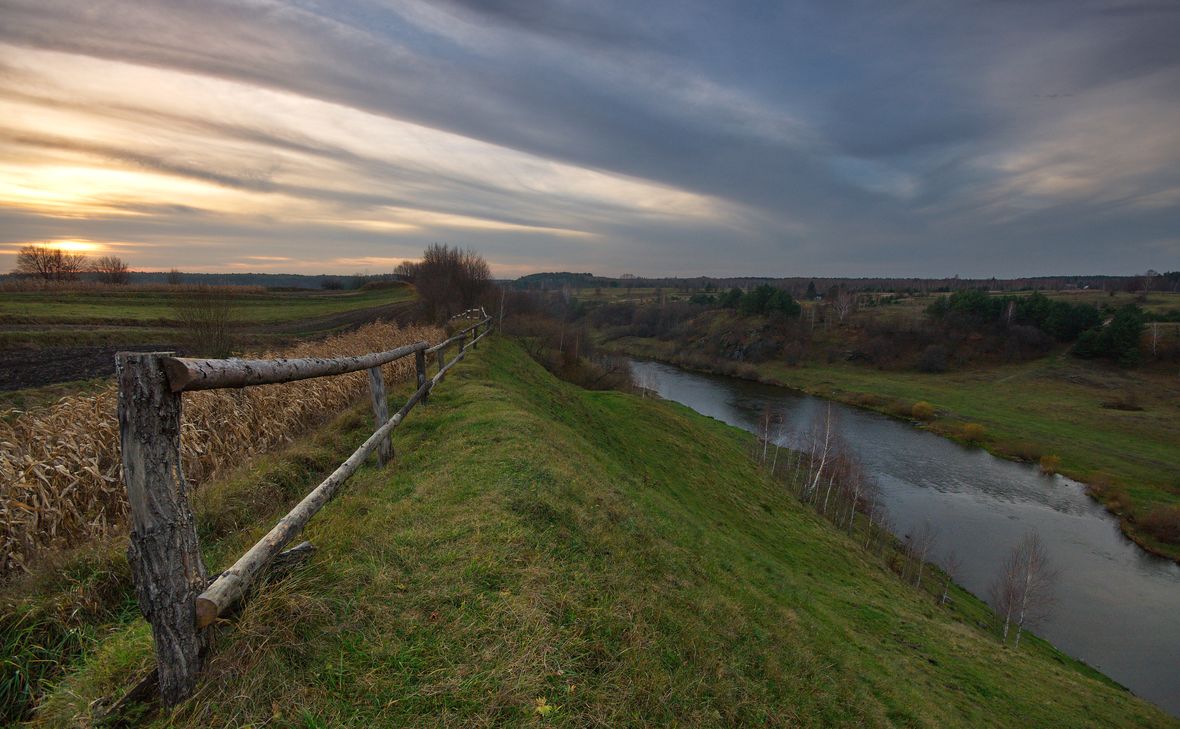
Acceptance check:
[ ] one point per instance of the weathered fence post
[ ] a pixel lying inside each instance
(475, 336)
(440, 356)
(420, 367)
(164, 554)
(462, 341)
(380, 414)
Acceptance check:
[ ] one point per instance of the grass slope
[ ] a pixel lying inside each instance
(545, 554)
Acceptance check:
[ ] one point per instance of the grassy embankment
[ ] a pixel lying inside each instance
(545, 554)
(115, 314)
(1050, 406)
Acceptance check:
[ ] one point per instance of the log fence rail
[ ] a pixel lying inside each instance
(174, 593)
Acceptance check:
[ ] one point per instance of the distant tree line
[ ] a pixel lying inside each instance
(812, 288)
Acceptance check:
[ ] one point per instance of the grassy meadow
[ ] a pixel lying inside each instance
(545, 555)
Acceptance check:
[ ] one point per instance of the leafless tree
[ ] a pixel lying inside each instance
(950, 569)
(1023, 591)
(921, 544)
(647, 383)
(174, 278)
(781, 420)
(820, 450)
(855, 486)
(49, 263)
(448, 279)
(765, 431)
(1155, 339)
(206, 320)
(843, 303)
(111, 270)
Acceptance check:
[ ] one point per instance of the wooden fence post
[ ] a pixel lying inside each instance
(380, 414)
(420, 367)
(440, 357)
(475, 336)
(164, 554)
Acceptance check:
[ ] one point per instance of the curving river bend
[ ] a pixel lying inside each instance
(1118, 607)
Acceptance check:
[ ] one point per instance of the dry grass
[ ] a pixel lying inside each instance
(60, 470)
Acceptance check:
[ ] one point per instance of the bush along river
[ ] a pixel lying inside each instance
(1118, 607)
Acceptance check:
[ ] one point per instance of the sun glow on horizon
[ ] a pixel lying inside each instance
(76, 246)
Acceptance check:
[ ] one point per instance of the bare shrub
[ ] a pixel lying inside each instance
(973, 433)
(206, 318)
(1022, 450)
(1163, 524)
(922, 410)
(111, 270)
(1049, 464)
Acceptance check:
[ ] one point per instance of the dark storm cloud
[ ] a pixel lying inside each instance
(858, 137)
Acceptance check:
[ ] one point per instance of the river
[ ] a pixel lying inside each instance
(1118, 607)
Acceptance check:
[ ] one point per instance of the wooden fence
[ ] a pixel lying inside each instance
(174, 592)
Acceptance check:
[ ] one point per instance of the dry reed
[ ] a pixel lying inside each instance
(60, 470)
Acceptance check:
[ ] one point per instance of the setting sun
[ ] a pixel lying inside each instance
(76, 246)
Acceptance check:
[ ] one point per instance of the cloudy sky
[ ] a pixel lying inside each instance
(836, 137)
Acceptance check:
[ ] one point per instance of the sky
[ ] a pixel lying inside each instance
(828, 138)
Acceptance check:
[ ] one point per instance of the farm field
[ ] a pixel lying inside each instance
(541, 553)
(49, 337)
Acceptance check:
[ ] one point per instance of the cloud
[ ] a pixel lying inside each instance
(674, 137)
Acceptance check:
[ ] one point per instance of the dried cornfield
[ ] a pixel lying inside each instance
(60, 467)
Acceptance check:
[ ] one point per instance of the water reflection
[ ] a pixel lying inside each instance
(1118, 607)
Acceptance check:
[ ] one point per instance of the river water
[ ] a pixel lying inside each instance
(1118, 607)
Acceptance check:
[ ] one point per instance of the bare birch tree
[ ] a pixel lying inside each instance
(1023, 591)
(921, 545)
(820, 449)
(843, 303)
(950, 569)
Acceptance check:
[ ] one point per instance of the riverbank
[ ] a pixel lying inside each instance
(575, 558)
(1056, 407)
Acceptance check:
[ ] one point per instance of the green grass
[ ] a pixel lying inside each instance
(621, 560)
(113, 305)
(1051, 406)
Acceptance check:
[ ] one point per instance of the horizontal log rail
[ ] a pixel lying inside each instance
(174, 593)
(456, 337)
(186, 375)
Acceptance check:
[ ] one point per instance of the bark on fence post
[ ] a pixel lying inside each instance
(440, 356)
(475, 336)
(420, 367)
(380, 413)
(164, 553)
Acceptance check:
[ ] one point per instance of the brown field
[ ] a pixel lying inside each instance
(60, 470)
